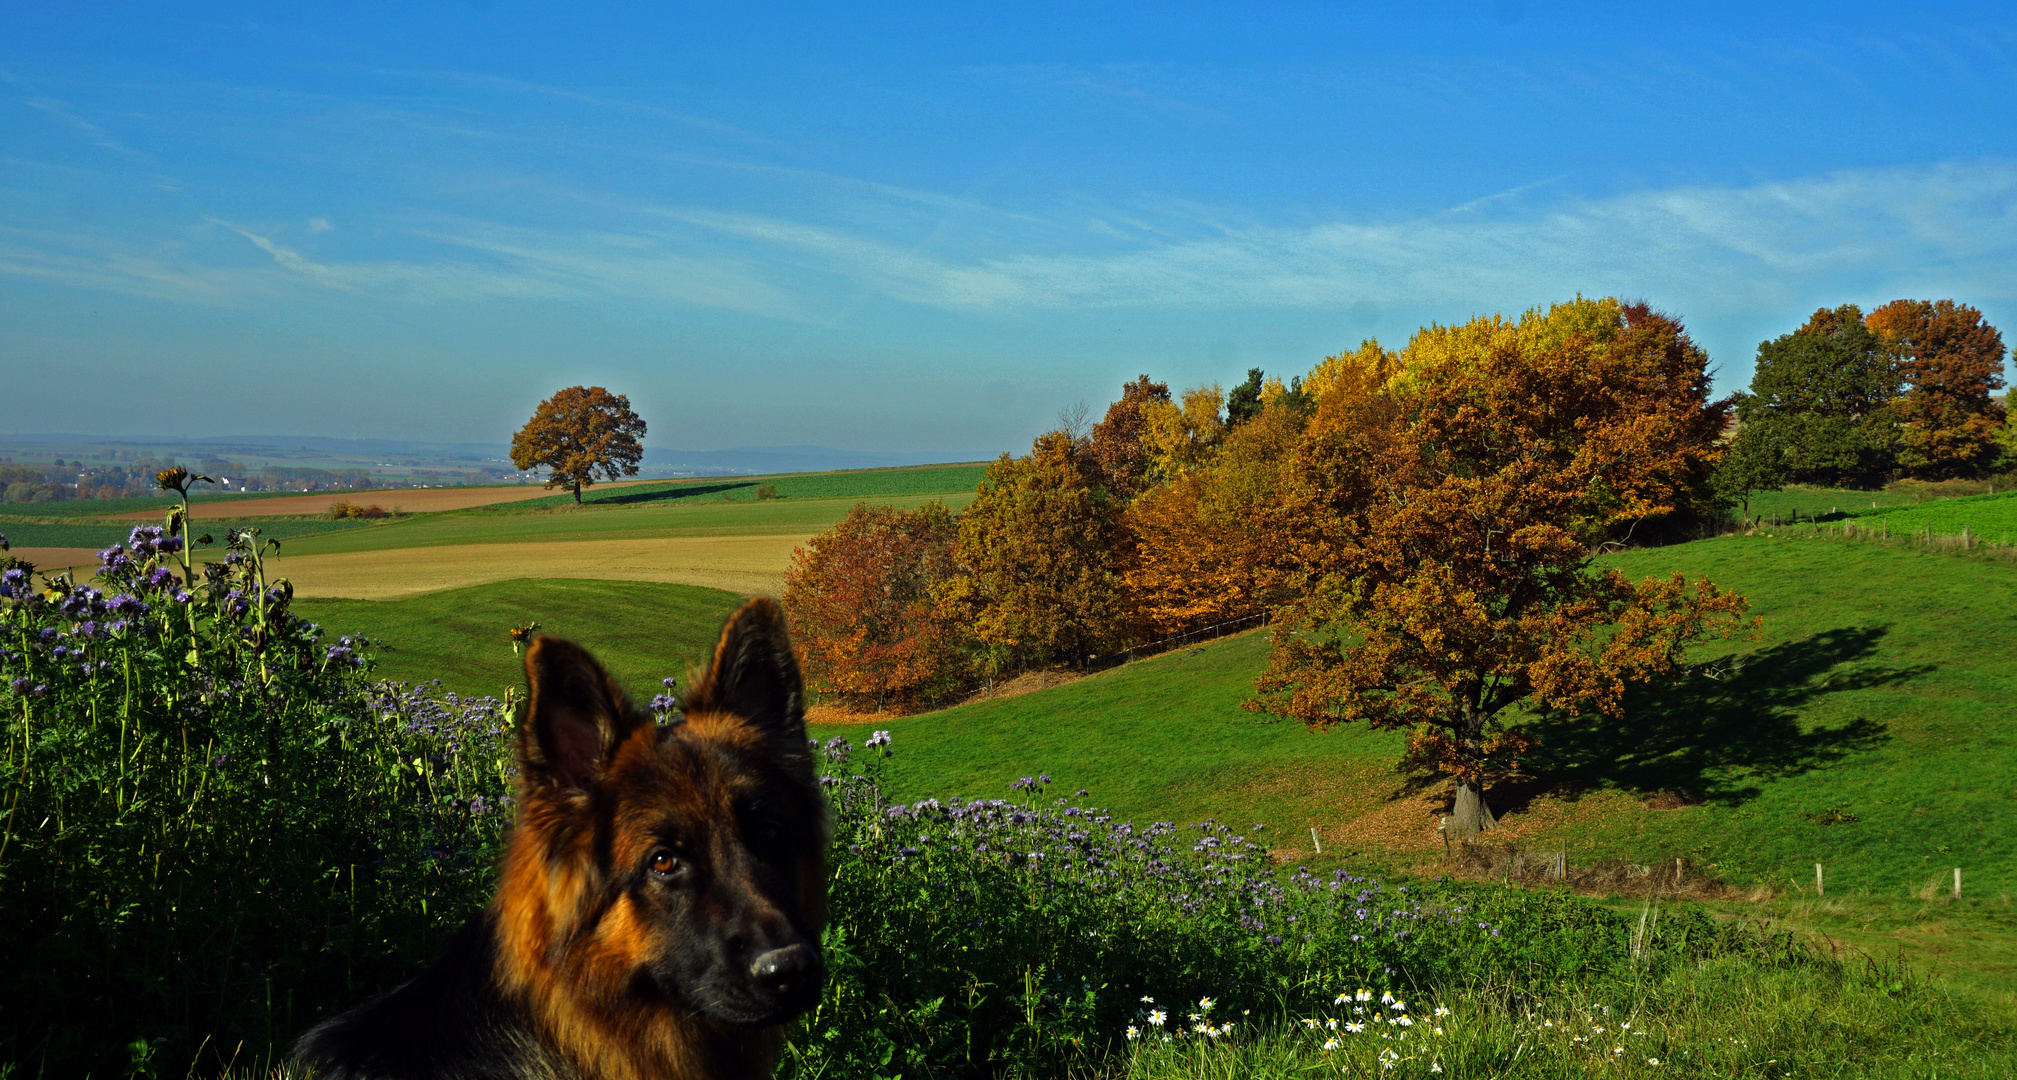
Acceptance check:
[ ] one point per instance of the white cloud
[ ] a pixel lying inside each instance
(319, 225)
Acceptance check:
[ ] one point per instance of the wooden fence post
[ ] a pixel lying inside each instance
(1957, 883)
(1818, 890)
(1320, 843)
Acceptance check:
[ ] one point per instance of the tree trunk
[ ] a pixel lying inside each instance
(1469, 815)
(577, 493)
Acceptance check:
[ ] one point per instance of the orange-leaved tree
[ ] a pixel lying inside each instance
(1950, 360)
(1444, 529)
(1202, 549)
(1036, 578)
(864, 610)
(578, 435)
(1118, 447)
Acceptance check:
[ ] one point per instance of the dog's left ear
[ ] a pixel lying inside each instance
(755, 676)
(575, 716)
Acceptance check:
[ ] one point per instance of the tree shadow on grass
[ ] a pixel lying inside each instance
(1722, 728)
(670, 494)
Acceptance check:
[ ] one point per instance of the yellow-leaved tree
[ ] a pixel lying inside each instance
(1443, 530)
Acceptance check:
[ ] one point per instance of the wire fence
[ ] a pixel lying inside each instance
(1175, 641)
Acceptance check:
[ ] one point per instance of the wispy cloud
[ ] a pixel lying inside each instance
(1729, 249)
(97, 136)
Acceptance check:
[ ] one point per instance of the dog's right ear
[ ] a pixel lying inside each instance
(575, 716)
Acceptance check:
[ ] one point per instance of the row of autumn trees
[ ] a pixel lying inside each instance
(1422, 524)
(1854, 400)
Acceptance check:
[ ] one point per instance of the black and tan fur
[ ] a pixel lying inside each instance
(659, 908)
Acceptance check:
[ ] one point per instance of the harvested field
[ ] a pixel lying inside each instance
(51, 559)
(408, 500)
(750, 565)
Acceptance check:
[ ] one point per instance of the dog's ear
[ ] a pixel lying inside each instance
(755, 676)
(575, 716)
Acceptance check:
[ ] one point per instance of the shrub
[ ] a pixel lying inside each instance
(766, 491)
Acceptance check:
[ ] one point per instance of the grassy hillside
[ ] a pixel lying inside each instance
(1866, 730)
(643, 631)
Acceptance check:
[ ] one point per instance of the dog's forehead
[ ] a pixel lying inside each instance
(692, 770)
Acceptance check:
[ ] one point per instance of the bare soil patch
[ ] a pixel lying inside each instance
(750, 565)
(82, 562)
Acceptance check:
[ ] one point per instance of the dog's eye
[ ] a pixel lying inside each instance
(664, 863)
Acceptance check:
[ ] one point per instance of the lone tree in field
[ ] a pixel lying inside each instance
(578, 435)
(1445, 527)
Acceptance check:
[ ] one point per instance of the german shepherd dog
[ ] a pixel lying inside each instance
(659, 908)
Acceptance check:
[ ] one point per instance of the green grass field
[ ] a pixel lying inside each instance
(1882, 703)
(860, 484)
(643, 631)
(88, 508)
(513, 524)
(44, 534)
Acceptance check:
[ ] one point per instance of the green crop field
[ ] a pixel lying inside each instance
(513, 524)
(44, 534)
(90, 508)
(860, 484)
(643, 631)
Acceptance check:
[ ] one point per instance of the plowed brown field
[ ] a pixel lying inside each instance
(752, 565)
(83, 562)
(410, 500)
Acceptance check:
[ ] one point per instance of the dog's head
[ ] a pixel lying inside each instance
(678, 866)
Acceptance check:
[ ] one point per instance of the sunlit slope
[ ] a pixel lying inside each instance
(1878, 693)
(643, 631)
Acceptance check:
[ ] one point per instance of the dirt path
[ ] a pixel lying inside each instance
(752, 565)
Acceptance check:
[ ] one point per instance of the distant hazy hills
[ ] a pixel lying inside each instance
(740, 461)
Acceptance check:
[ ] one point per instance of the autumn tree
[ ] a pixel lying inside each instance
(1950, 361)
(578, 435)
(1183, 435)
(863, 603)
(1202, 549)
(1036, 580)
(1443, 526)
(1117, 450)
(1818, 408)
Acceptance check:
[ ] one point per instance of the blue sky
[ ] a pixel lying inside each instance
(930, 227)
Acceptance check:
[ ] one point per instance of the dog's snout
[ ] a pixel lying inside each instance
(782, 970)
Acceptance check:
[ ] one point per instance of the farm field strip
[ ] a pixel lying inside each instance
(95, 537)
(510, 525)
(410, 500)
(743, 564)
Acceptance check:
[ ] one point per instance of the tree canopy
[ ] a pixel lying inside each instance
(863, 601)
(1443, 522)
(1950, 361)
(578, 435)
(1818, 408)
(1036, 579)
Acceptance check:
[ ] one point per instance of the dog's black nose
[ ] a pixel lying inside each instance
(781, 970)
